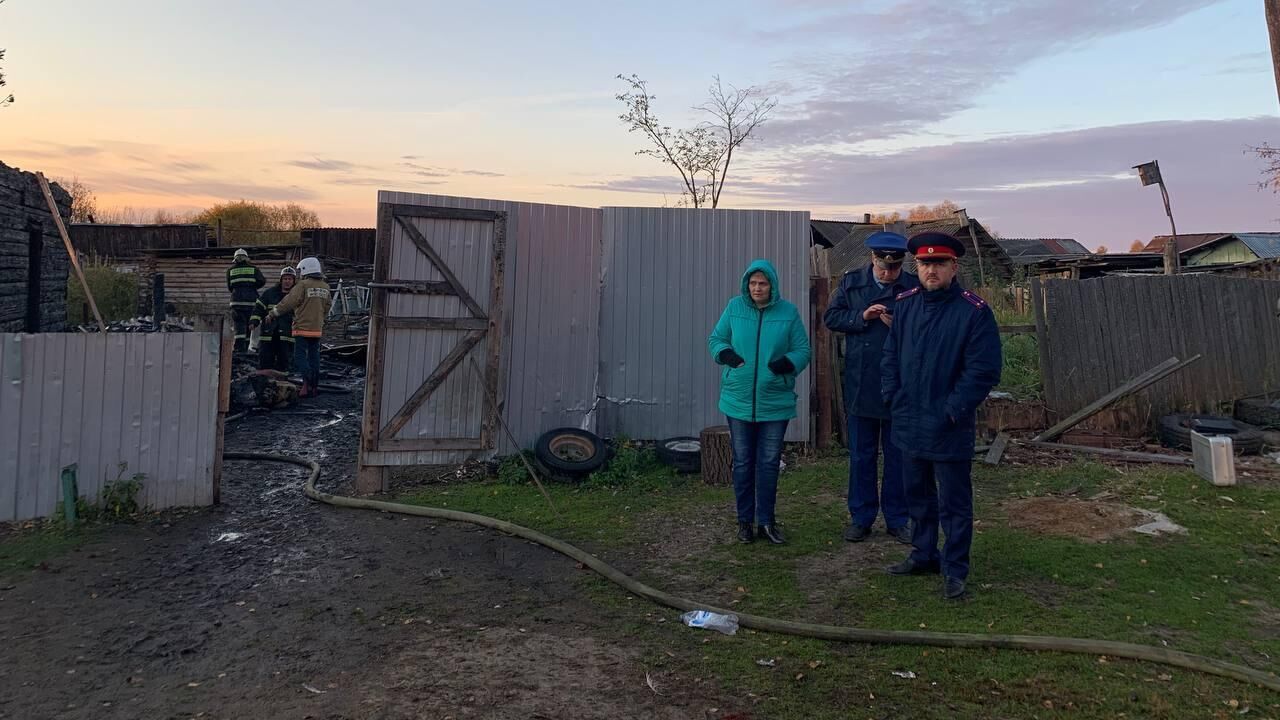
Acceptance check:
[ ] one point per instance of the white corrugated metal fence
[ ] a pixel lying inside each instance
(112, 404)
(606, 315)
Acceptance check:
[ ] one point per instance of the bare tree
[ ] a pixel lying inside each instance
(701, 154)
(84, 204)
(1270, 156)
(4, 99)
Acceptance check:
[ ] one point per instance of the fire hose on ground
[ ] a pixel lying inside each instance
(1131, 651)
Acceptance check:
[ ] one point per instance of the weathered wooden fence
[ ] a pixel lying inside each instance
(1096, 334)
(351, 244)
(114, 405)
(121, 242)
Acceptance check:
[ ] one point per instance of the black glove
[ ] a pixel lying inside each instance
(782, 366)
(730, 358)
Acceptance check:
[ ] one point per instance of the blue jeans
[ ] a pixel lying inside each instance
(757, 452)
(940, 492)
(306, 359)
(867, 437)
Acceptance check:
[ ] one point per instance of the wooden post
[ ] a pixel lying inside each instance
(1273, 29)
(157, 300)
(1042, 336)
(71, 251)
(717, 455)
(214, 323)
(820, 294)
(977, 251)
(371, 478)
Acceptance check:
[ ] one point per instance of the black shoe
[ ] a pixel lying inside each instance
(911, 567)
(901, 534)
(745, 533)
(856, 533)
(773, 534)
(953, 588)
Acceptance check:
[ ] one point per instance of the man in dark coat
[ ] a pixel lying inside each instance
(941, 360)
(862, 309)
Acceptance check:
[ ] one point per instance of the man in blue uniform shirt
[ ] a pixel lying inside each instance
(941, 359)
(862, 309)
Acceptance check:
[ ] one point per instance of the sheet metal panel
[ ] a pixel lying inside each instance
(606, 314)
(101, 400)
(668, 273)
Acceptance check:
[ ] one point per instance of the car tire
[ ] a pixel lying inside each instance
(682, 453)
(1259, 412)
(1175, 432)
(570, 452)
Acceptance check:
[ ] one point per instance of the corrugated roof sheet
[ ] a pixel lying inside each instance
(829, 233)
(851, 252)
(1185, 242)
(1018, 247)
(1264, 245)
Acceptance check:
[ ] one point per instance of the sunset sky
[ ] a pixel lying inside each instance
(1027, 112)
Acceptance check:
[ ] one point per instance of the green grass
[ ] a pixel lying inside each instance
(24, 550)
(1213, 591)
(1020, 375)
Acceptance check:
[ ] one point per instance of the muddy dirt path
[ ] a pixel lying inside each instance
(272, 606)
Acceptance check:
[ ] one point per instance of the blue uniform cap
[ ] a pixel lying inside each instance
(889, 247)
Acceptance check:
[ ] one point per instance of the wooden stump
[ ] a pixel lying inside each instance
(717, 455)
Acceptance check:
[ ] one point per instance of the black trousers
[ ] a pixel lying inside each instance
(275, 353)
(240, 315)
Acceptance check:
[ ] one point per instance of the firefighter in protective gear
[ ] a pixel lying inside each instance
(275, 349)
(243, 280)
(308, 301)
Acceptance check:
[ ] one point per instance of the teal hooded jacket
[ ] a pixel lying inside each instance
(753, 392)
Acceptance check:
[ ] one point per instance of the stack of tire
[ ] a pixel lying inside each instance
(1175, 432)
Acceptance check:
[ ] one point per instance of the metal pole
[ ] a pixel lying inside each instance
(1273, 28)
(69, 494)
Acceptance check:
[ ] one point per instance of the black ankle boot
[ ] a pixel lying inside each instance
(773, 534)
(745, 533)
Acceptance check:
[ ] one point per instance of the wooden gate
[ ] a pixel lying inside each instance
(435, 320)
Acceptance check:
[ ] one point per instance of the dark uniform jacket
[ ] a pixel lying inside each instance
(244, 280)
(863, 340)
(941, 359)
(266, 301)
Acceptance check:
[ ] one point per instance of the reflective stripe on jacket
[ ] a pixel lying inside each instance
(308, 301)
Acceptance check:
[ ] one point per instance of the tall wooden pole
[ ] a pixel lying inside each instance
(71, 251)
(1273, 28)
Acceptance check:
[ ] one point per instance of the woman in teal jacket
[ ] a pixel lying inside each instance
(762, 344)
